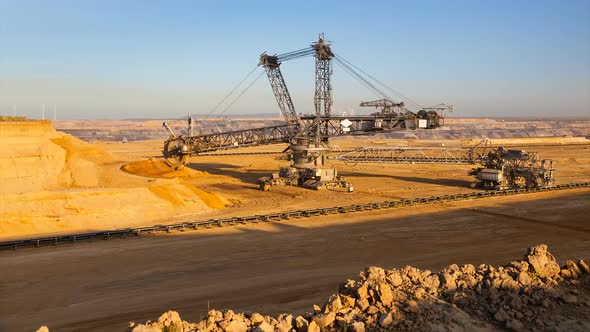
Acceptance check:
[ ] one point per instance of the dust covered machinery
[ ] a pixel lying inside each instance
(308, 134)
(508, 169)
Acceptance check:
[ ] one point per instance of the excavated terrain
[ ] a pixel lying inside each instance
(534, 293)
(55, 183)
(64, 185)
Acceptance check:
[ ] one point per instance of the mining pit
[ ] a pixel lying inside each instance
(54, 183)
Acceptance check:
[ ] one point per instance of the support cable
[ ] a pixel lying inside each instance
(230, 93)
(241, 94)
(399, 94)
(360, 78)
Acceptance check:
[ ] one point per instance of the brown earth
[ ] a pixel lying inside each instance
(534, 293)
(277, 267)
(270, 268)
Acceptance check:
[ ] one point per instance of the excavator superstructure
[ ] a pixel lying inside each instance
(307, 135)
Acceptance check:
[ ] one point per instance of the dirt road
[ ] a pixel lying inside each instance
(273, 267)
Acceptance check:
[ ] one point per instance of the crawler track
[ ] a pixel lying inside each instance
(269, 217)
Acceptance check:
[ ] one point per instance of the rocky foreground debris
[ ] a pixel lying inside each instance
(530, 294)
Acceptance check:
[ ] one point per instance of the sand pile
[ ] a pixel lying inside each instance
(534, 293)
(155, 168)
(55, 183)
(34, 156)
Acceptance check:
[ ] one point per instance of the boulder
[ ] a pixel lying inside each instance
(170, 322)
(524, 279)
(324, 320)
(362, 303)
(357, 327)
(385, 320)
(334, 304)
(257, 318)
(263, 327)
(395, 279)
(448, 282)
(228, 314)
(375, 273)
(285, 323)
(313, 327)
(574, 269)
(583, 266)
(347, 301)
(542, 262)
(301, 324)
(144, 328)
(431, 283)
(236, 326)
(385, 294)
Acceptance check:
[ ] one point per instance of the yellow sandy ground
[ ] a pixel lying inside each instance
(55, 183)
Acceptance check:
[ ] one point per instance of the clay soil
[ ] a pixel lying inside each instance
(286, 266)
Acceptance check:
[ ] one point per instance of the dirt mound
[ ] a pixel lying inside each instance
(530, 294)
(155, 168)
(55, 183)
(34, 156)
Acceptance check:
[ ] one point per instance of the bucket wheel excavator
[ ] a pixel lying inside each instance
(307, 135)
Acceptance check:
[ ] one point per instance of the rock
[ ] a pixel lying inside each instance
(395, 279)
(228, 314)
(285, 323)
(347, 301)
(411, 273)
(520, 266)
(509, 283)
(170, 322)
(362, 292)
(362, 303)
(385, 320)
(375, 273)
(385, 294)
(317, 309)
(524, 278)
(575, 271)
(419, 293)
(334, 304)
(372, 310)
(257, 318)
(514, 325)
(412, 307)
(301, 324)
(501, 315)
(236, 326)
(431, 283)
(313, 327)
(263, 327)
(448, 282)
(468, 269)
(583, 266)
(43, 329)
(216, 316)
(542, 262)
(324, 320)
(357, 327)
(145, 328)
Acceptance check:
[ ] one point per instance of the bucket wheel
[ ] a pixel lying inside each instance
(176, 152)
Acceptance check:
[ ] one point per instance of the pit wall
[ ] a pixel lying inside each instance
(34, 157)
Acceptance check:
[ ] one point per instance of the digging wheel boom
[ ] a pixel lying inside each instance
(176, 152)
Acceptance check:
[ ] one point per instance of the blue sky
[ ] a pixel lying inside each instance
(130, 59)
